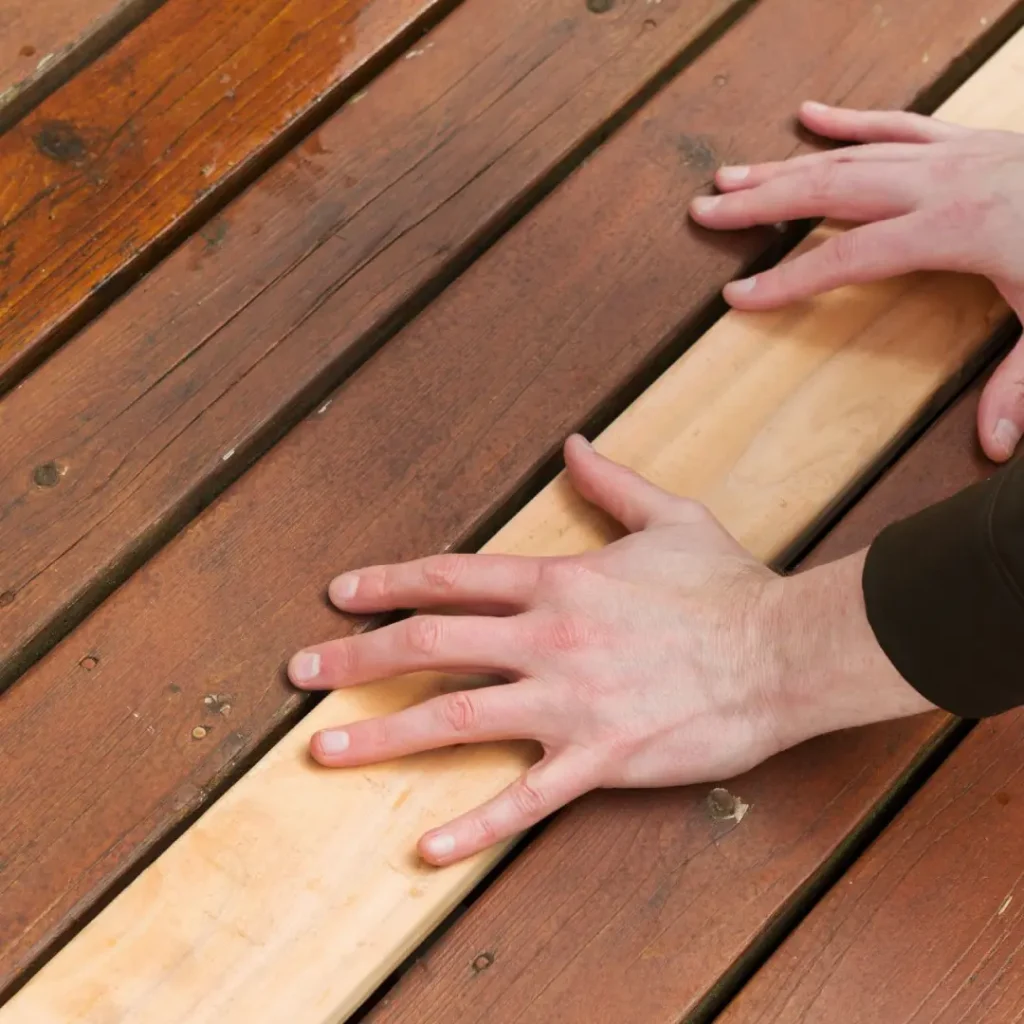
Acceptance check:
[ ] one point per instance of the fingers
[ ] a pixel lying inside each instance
(547, 787)
(626, 496)
(444, 643)
(868, 253)
(440, 580)
(1001, 410)
(876, 125)
(514, 711)
(731, 179)
(845, 191)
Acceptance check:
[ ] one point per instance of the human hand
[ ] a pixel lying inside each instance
(671, 656)
(928, 196)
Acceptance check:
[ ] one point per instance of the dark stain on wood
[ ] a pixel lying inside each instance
(61, 141)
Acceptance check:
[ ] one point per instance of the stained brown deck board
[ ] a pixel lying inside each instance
(418, 450)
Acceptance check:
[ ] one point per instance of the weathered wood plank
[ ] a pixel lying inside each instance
(128, 156)
(44, 42)
(133, 422)
(414, 454)
(300, 889)
(928, 925)
(628, 904)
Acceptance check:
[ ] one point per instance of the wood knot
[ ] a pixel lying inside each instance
(7, 598)
(46, 475)
(28, 50)
(482, 962)
(600, 6)
(723, 806)
(60, 141)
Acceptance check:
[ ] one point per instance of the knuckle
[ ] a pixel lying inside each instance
(486, 831)
(443, 572)
(561, 575)
(962, 215)
(822, 179)
(424, 634)
(845, 250)
(528, 800)
(567, 633)
(459, 712)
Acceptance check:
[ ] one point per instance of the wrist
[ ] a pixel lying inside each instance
(830, 671)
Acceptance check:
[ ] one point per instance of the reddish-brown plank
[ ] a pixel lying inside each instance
(100, 754)
(630, 907)
(133, 421)
(928, 925)
(123, 159)
(43, 42)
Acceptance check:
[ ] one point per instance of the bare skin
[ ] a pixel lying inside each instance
(673, 656)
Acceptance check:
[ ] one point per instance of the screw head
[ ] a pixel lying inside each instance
(46, 475)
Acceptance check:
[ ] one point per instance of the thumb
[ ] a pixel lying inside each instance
(623, 494)
(1001, 410)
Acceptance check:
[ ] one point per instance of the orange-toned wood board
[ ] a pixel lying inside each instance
(417, 452)
(599, 919)
(43, 42)
(135, 151)
(928, 925)
(299, 890)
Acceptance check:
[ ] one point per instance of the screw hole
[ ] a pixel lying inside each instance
(89, 662)
(46, 475)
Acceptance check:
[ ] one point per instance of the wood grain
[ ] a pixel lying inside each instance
(164, 399)
(299, 890)
(44, 42)
(596, 919)
(928, 925)
(124, 730)
(130, 154)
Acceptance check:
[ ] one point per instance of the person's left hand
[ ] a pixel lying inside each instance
(670, 656)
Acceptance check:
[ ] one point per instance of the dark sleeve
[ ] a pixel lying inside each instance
(945, 597)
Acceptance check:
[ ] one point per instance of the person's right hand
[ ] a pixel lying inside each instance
(927, 195)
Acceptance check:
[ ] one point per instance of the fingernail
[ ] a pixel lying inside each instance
(747, 284)
(705, 204)
(440, 845)
(815, 106)
(334, 741)
(344, 587)
(586, 444)
(1006, 435)
(731, 175)
(304, 667)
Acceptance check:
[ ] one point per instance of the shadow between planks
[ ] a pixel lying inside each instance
(492, 475)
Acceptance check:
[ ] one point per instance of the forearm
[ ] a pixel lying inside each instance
(944, 594)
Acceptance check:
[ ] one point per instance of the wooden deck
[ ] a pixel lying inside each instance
(292, 287)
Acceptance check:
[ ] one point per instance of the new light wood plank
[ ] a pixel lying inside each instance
(928, 925)
(132, 154)
(595, 921)
(177, 678)
(299, 890)
(43, 42)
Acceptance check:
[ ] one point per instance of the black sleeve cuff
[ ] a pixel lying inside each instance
(944, 591)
